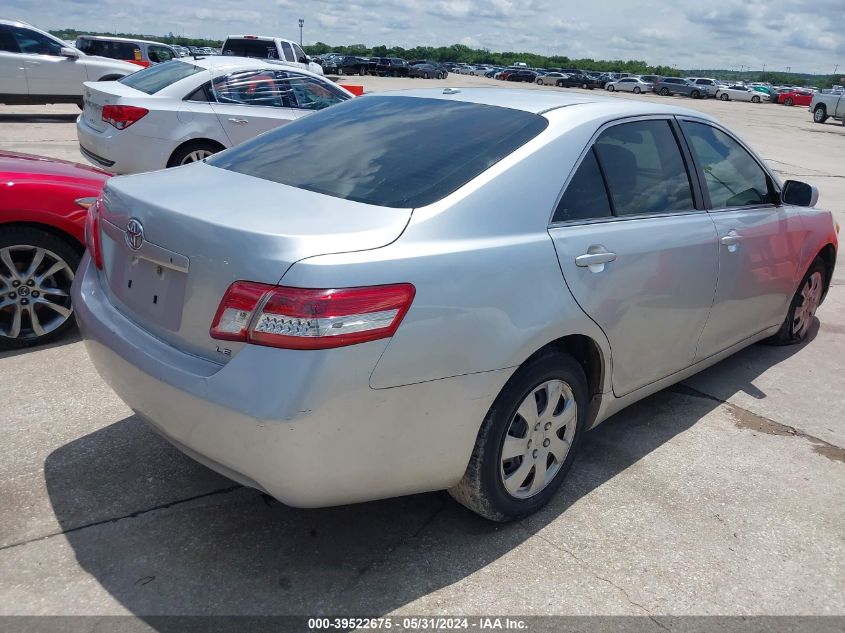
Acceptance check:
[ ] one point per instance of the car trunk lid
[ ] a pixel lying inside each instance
(174, 240)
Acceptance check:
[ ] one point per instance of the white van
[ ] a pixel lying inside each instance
(265, 47)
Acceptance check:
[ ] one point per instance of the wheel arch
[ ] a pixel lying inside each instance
(590, 355)
(828, 255)
(72, 241)
(193, 141)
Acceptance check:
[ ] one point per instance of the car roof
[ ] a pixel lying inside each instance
(121, 39)
(541, 101)
(224, 63)
(260, 38)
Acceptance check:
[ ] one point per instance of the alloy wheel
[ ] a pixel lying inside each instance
(196, 155)
(538, 439)
(811, 296)
(34, 292)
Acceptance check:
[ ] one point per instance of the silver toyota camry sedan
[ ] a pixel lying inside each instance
(440, 289)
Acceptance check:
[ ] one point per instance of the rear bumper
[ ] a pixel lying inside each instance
(120, 151)
(302, 425)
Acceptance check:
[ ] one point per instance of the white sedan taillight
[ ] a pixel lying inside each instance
(307, 318)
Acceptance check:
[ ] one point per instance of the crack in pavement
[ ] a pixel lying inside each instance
(595, 575)
(745, 419)
(131, 515)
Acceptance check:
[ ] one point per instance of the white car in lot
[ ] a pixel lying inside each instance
(37, 68)
(267, 47)
(741, 93)
(185, 110)
(629, 84)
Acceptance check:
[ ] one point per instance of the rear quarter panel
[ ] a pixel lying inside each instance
(49, 204)
(489, 287)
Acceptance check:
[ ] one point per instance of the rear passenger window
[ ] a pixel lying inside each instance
(732, 176)
(585, 196)
(644, 169)
(288, 52)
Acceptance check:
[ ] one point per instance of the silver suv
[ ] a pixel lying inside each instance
(352, 307)
(37, 68)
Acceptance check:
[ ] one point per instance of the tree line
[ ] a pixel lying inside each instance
(465, 54)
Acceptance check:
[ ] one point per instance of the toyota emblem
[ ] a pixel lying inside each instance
(134, 234)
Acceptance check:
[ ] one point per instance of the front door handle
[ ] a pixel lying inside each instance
(731, 240)
(595, 258)
(239, 121)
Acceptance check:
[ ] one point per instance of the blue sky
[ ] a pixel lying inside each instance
(806, 36)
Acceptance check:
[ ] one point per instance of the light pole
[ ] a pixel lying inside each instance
(301, 24)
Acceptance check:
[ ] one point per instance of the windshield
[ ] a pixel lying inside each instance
(158, 77)
(388, 151)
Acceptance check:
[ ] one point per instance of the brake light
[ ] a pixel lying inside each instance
(92, 234)
(122, 116)
(307, 318)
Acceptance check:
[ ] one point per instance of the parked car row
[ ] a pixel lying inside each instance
(336, 64)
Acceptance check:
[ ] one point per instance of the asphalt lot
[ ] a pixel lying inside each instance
(723, 495)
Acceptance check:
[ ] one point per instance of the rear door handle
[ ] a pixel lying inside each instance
(239, 121)
(595, 258)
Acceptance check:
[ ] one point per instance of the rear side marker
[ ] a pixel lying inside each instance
(307, 318)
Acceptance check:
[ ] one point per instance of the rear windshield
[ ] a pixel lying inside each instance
(258, 49)
(388, 151)
(158, 77)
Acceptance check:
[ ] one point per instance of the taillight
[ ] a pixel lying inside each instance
(306, 318)
(92, 234)
(122, 116)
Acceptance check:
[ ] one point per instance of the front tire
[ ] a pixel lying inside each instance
(528, 440)
(724, 97)
(35, 303)
(803, 307)
(820, 114)
(611, 88)
(788, 101)
(664, 92)
(755, 99)
(637, 90)
(695, 94)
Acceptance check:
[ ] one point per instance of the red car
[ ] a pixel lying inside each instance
(43, 207)
(796, 97)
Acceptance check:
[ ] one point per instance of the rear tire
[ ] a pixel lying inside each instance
(193, 152)
(820, 114)
(664, 92)
(788, 101)
(611, 88)
(724, 97)
(802, 308)
(557, 428)
(51, 312)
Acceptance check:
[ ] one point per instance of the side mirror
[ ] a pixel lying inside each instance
(799, 194)
(304, 59)
(67, 51)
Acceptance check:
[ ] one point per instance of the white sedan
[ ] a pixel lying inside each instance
(741, 93)
(629, 84)
(187, 109)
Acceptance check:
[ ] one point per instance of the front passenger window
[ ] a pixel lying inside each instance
(733, 177)
(35, 43)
